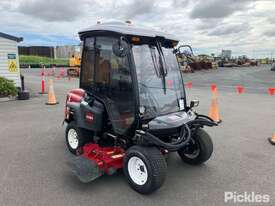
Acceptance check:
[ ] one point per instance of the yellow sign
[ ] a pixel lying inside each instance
(12, 63)
(12, 66)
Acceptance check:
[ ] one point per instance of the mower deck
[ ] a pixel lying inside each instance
(95, 161)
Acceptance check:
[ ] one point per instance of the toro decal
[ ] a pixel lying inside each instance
(89, 117)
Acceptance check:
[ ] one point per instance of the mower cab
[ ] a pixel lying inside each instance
(131, 108)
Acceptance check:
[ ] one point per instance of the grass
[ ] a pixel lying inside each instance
(25, 59)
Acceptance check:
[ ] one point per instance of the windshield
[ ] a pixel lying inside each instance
(158, 94)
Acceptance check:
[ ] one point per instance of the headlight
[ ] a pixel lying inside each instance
(194, 103)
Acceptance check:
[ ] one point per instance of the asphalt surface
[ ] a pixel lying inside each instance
(33, 154)
(254, 79)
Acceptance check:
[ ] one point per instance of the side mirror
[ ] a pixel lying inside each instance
(120, 48)
(194, 103)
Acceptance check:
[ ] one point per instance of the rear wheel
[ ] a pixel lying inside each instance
(145, 169)
(75, 137)
(199, 149)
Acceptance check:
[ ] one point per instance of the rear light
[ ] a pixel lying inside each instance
(135, 39)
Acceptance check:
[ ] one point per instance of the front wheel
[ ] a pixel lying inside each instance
(198, 150)
(145, 168)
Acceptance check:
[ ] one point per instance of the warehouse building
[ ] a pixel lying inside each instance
(9, 59)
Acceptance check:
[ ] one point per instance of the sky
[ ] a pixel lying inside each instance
(243, 26)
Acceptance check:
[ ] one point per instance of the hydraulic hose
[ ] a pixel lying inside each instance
(181, 137)
(182, 140)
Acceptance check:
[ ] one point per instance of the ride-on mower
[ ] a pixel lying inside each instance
(131, 110)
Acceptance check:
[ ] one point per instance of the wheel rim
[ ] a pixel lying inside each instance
(72, 138)
(137, 170)
(195, 152)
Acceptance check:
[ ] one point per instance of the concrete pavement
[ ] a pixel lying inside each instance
(33, 151)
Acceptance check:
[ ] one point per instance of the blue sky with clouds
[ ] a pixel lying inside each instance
(36, 39)
(244, 26)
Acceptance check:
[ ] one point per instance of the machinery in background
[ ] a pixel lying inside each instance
(189, 63)
(74, 63)
(241, 61)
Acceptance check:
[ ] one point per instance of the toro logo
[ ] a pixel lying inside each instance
(89, 117)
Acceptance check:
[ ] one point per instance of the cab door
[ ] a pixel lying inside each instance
(111, 81)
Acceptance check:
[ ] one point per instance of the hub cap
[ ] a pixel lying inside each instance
(137, 170)
(72, 138)
(194, 150)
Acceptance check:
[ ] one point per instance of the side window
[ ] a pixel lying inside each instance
(88, 63)
(113, 81)
(112, 72)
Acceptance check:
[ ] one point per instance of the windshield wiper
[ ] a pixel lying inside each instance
(159, 64)
(154, 59)
(162, 59)
(162, 66)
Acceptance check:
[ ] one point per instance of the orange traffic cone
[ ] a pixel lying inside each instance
(214, 109)
(272, 139)
(51, 95)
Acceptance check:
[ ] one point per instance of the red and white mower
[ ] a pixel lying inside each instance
(131, 108)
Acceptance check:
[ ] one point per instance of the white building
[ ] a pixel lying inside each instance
(9, 59)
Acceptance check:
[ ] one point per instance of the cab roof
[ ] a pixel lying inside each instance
(126, 29)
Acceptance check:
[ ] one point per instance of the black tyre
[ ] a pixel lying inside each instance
(199, 149)
(145, 169)
(75, 137)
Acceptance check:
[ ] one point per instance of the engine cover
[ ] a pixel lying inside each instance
(171, 121)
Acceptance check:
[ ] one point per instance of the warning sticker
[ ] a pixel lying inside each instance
(12, 63)
(11, 56)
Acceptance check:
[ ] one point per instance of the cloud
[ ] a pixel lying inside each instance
(217, 8)
(52, 10)
(270, 33)
(271, 19)
(229, 29)
(207, 25)
(181, 3)
(5, 5)
(132, 9)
